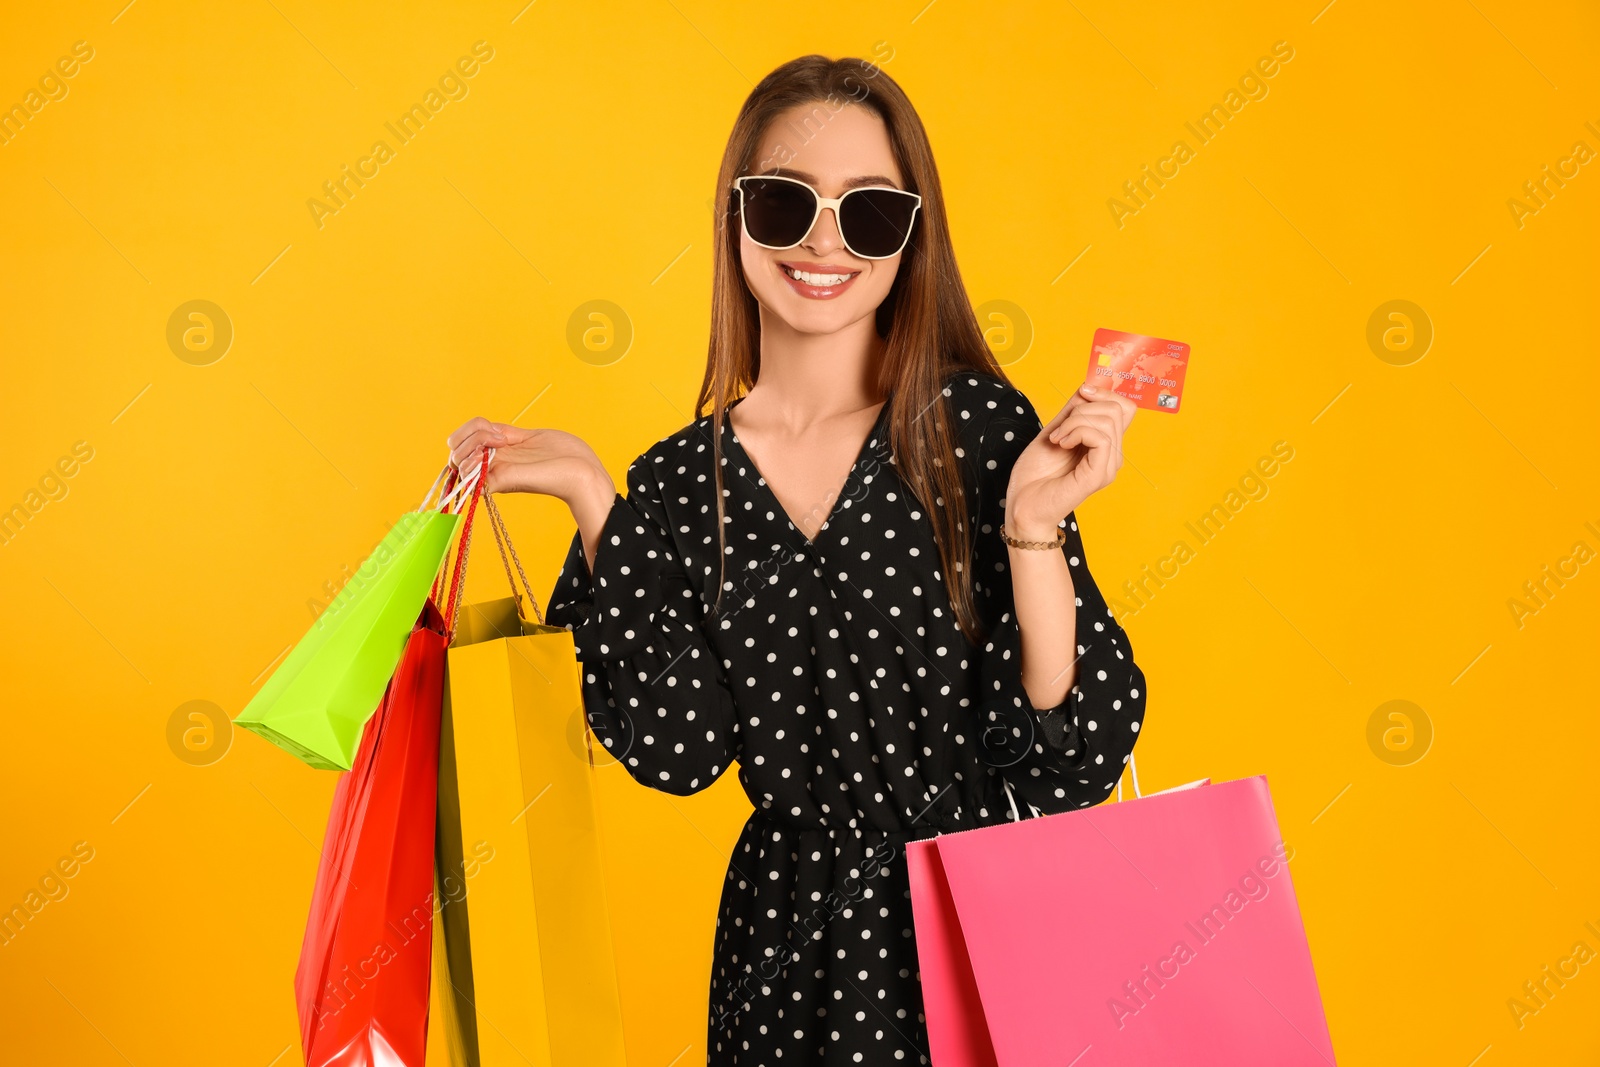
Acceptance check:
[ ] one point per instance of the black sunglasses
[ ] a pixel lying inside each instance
(874, 222)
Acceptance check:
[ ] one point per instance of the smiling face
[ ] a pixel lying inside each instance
(818, 286)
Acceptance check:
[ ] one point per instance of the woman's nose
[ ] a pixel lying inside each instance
(824, 232)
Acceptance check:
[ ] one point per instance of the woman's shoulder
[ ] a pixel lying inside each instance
(678, 454)
(978, 398)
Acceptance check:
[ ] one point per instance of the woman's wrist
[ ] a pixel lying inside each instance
(1025, 525)
(1036, 532)
(1028, 522)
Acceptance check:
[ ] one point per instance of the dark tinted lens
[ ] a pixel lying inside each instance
(777, 213)
(875, 222)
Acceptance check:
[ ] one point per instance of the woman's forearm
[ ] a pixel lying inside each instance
(1047, 615)
(591, 501)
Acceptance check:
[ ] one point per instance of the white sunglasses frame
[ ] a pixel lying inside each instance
(823, 203)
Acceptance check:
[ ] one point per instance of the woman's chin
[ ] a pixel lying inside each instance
(817, 317)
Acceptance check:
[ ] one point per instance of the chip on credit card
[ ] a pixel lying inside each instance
(1147, 370)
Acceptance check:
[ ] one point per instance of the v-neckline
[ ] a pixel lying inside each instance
(765, 486)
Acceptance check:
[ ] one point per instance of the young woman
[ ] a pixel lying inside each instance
(860, 576)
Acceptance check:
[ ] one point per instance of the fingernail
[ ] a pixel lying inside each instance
(1090, 389)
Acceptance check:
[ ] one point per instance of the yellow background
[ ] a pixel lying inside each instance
(1378, 567)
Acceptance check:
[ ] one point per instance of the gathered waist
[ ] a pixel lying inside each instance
(917, 832)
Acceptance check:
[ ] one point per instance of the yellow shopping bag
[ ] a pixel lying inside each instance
(637, 935)
(449, 1034)
(538, 982)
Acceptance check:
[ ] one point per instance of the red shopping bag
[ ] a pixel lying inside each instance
(363, 978)
(1153, 931)
(362, 982)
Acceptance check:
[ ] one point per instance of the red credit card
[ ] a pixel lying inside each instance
(1147, 370)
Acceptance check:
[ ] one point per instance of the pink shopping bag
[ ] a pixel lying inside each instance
(1153, 931)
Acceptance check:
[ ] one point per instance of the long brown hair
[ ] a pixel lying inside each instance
(927, 322)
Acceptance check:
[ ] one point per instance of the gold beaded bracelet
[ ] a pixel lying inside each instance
(1061, 539)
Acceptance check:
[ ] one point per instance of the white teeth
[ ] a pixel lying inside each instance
(817, 279)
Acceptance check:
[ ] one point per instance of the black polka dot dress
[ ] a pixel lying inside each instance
(858, 714)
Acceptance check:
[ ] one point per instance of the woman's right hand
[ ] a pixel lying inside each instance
(552, 462)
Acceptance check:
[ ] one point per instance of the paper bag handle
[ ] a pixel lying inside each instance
(457, 586)
(453, 487)
(467, 485)
(502, 541)
(1011, 799)
(473, 488)
(434, 488)
(1133, 769)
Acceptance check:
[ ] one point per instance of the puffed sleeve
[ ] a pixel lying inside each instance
(653, 690)
(1069, 756)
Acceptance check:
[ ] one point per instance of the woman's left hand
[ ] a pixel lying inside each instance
(1076, 453)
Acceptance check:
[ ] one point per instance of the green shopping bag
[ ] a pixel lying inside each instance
(319, 699)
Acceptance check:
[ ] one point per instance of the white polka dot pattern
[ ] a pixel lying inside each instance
(859, 715)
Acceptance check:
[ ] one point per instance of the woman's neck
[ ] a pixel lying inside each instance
(806, 378)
